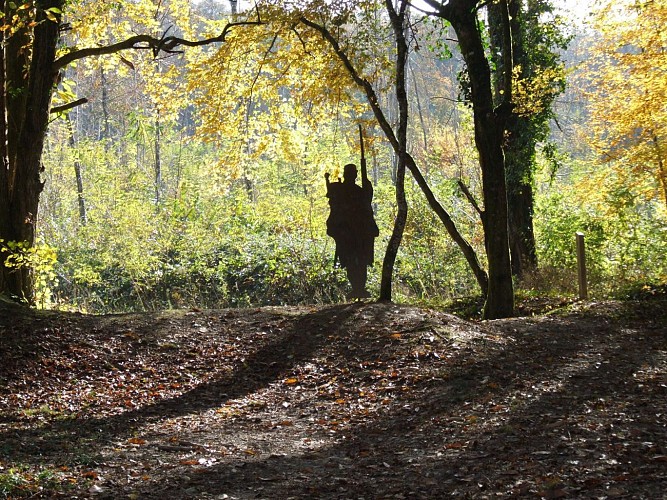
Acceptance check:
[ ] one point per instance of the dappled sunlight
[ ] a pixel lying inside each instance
(361, 399)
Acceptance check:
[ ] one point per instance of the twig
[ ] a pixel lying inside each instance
(470, 197)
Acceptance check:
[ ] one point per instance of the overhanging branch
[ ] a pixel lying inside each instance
(464, 189)
(167, 44)
(358, 79)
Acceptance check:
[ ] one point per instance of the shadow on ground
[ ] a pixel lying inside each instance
(346, 401)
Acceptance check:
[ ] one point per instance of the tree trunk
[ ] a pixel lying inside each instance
(396, 236)
(16, 60)
(398, 22)
(77, 173)
(463, 244)
(507, 34)
(22, 185)
(662, 168)
(488, 140)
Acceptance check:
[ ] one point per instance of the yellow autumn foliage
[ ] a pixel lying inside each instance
(277, 76)
(628, 80)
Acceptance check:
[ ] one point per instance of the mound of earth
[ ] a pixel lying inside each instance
(364, 400)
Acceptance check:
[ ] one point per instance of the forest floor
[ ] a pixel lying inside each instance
(362, 400)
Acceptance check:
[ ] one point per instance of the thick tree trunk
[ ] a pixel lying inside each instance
(23, 185)
(16, 60)
(488, 140)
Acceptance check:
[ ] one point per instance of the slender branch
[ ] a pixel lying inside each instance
(261, 64)
(69, 105)
(446, 98)
(303, 42)
(358, 79)
(254, 81)
(470, 197)
(555, 119)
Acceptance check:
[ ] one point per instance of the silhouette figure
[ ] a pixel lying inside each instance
(352, 226)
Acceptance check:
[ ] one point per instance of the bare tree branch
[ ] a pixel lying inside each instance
(69, 105)
(167, 44)
(358, 79)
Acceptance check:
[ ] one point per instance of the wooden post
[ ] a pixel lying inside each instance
(581, 266)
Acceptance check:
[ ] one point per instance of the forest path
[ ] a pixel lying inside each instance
(357, 400)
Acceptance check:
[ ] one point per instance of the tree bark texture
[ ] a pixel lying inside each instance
(398, 20)
(27, 120)
(489, 128)
(507, 33)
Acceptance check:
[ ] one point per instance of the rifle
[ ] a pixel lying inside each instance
(364, 172)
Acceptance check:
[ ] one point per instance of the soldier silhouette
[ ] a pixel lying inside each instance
(351, 224)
